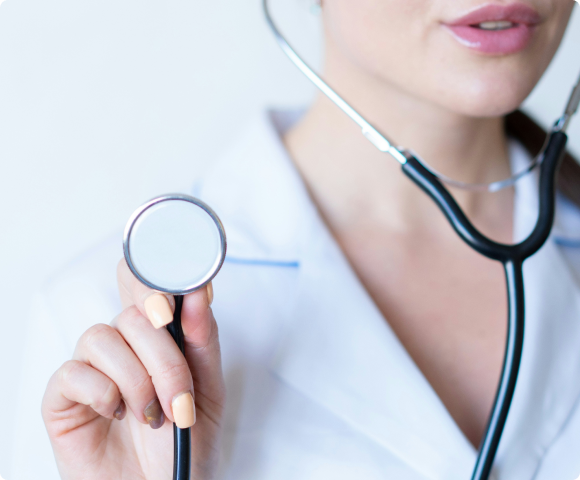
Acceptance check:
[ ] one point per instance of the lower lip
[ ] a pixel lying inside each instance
(494, 42)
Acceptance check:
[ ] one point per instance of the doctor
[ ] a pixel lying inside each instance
(358, 336)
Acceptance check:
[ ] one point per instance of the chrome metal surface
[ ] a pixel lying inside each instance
(385, 145)
(571, 109)
(171, 197)
(370, 132)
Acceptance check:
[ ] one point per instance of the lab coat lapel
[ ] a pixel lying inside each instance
(340, 352)
(257, 192)
(337, 350)
(548, 386)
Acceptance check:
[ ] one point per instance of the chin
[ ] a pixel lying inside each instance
(481, 86)
(488, 96)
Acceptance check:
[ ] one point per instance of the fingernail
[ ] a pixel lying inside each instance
(154, 414)
(183, 410)
(121, 411)
(158, 310)
(209, 294)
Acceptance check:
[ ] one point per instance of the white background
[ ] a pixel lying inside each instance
(105, 104)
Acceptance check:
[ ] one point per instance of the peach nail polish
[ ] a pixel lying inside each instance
(183, 410)
(158, 310)
(209, 293)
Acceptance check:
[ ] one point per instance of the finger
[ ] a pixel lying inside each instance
(76, 383)
(202, 350)
(103, 348)
(165, 363)
(156, 306)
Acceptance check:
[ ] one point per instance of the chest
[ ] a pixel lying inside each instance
(448, 307)
(307, 377)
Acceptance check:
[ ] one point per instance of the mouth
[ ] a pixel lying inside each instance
(496, 29)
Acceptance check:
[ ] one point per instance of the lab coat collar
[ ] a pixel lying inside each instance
(547, 391)
(340, 352)
(257, 192)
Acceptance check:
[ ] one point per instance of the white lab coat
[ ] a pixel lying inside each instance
(319, 387)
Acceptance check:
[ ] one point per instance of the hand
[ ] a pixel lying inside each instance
(109, 410)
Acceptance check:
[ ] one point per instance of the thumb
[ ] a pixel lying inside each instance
(202, 351)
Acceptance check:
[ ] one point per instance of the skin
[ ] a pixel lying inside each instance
(398, 66)
(132, 359)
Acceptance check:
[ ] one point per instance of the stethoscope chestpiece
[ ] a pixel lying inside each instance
(175, 244)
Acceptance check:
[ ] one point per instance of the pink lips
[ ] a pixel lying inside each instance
(496, 42)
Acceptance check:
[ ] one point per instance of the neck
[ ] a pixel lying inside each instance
(347, 175)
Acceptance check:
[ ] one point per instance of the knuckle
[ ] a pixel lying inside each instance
(97, 335)
(212, 337)
(174, 371)
(214, 332)
(206, 334)
(106, 403)
(140, 383)
(130, 317)
(68, 370)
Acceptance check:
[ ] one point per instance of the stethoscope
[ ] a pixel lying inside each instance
(177, 244)
(511, 256)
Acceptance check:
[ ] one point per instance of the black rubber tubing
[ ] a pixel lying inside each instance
(512, 257)
(181, 436)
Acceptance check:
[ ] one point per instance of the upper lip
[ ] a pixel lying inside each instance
(516, 13)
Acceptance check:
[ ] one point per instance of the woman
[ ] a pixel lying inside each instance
(360, 337)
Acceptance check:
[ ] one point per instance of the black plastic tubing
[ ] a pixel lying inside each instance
(181, 436)
(512, 257)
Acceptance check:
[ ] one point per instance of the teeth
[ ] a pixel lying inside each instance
(501, 25)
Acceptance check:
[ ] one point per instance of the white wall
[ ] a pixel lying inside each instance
(106, 103)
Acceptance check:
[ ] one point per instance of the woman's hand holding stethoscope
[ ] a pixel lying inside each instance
(109, 411)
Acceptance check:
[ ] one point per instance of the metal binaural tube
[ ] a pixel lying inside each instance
(571, 109)
(382, 143)
(370, 132)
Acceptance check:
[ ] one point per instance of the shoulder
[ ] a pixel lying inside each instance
(251, 187)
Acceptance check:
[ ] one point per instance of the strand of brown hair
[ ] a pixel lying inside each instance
(532, 136)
